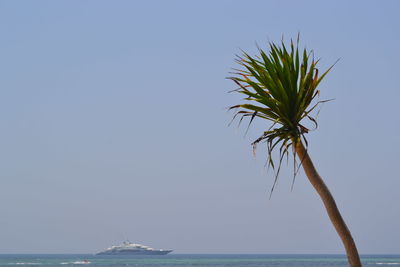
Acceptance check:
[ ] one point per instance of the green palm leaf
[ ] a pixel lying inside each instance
(280, 86)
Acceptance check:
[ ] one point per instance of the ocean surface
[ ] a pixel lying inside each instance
(180, 260)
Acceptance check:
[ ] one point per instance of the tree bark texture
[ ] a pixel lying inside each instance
(330, 205)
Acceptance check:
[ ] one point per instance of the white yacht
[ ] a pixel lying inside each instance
(128, 248)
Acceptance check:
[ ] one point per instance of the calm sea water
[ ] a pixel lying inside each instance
(175, 260)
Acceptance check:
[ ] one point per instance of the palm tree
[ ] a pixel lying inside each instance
(281, 86)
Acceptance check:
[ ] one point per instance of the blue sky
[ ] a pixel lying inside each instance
(113, 126)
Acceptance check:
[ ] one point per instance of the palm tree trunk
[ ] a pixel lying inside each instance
(330, 205)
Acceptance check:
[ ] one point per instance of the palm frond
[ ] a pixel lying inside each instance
(280, 85)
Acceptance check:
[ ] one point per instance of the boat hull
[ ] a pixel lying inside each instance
(130, 252)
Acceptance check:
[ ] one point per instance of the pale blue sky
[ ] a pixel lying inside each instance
(113, 125)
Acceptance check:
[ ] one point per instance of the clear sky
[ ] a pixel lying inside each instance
(113, 126)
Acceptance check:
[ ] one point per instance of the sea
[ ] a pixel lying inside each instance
(181, 260)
